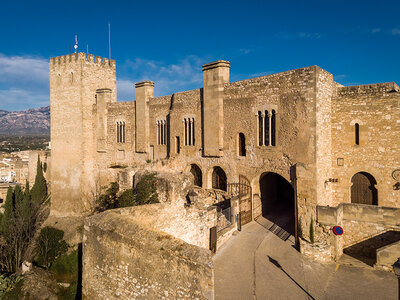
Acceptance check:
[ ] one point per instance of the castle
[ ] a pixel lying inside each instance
(308, 150)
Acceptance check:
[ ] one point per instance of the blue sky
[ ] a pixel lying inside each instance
(168, 41)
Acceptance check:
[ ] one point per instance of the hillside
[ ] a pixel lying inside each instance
(31, 121)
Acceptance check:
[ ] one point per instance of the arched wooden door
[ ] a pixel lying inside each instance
(245, 203)
(363, 190)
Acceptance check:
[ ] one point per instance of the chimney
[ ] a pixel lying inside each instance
(216, 75)
(144, 91)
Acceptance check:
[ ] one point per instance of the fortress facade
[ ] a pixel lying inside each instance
(308, 150)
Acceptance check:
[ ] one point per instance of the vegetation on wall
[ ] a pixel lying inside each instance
(146, 190)
(144, 193)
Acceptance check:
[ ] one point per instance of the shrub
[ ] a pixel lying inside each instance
(10, 287)
(127, 199)
(66, 269)
(146, 190)
(109, 200)
(50, 245)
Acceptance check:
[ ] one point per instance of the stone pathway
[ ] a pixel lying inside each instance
(256, 264)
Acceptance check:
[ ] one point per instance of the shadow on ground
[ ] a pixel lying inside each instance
(365, 251)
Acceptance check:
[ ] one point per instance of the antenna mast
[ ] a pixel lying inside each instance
(109, 41)
(76, 44)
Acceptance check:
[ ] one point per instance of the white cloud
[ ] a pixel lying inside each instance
(24, 82)
(21, 99)
(396, 31)
(23, 68)
(375, 30)
(168, 78)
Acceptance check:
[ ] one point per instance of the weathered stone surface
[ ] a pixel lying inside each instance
(126, 258)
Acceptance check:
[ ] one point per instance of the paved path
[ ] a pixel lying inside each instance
(256, 264)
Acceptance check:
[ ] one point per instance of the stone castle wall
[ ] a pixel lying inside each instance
(376, 109)
(126, 259)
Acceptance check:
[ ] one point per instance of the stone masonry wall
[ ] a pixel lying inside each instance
(359, 222)
(376, 109)
(125, 259)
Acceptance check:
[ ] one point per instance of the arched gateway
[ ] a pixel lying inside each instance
(277, 201)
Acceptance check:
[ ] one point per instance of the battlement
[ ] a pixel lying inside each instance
(79, 57)
(377, 88)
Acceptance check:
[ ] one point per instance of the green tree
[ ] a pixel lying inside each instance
(22, 218)
(26, 204)
(39, 189)
(9, 205)
(50, 245)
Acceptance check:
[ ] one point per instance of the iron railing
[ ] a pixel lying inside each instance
(224, 218)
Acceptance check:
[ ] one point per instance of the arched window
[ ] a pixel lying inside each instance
(357, 133)
(218, 179)
(363, 190)
(242, 145)
(197, 174)
(267, 128)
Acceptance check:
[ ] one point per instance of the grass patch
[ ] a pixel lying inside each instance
(66, 267)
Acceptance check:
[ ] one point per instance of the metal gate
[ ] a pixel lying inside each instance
(245, 201)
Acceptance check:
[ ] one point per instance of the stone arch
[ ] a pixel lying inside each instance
(277, 200)
(197, 174)
(363, 190)
(219, 179)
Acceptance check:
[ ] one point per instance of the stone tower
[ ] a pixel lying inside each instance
(74, 80)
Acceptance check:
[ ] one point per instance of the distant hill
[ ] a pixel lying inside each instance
(30, 121)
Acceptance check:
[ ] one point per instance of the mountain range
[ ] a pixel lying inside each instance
(30, 121)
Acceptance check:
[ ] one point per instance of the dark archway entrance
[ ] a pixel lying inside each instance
(277, 200)
(363, 190)
(197, 174)
(219, 179)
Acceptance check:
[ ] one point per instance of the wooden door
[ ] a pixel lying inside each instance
(363, 190)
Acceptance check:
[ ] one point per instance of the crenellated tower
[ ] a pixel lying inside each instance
(74, 80)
